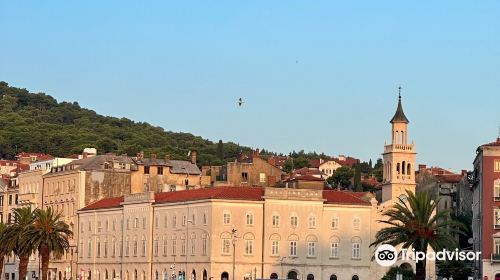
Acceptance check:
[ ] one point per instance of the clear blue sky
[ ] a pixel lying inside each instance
(317, 76)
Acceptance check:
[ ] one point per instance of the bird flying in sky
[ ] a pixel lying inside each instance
(240, 102)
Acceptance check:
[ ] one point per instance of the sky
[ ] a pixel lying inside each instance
(314, 75)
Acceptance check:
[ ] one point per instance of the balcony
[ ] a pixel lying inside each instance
(497, 198)
(398, 148)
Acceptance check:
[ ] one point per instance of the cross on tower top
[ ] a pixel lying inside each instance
(399, 88)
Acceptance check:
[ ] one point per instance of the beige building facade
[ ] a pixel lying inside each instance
(277, 233)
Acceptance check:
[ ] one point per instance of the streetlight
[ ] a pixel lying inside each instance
(172, 271)
(233, 233)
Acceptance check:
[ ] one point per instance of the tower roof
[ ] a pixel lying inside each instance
(399, 116)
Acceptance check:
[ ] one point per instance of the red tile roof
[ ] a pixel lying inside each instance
(105, 203)
(343, 197)
(238, 193)
(492, 144)
(306, 177)
(235, 193)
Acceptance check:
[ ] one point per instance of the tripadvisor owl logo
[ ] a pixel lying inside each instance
(386, 255)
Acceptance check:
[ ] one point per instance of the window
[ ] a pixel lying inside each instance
(227, 218)
(311, 249)
(204, 246)
(497, 165)
(127, 248)
(160, 170)
(226, 245)
(496, 222)
(165, 245)
(293, 248)
(89, 250)
(183, 247)
(293, 220)
(275, 244)
(248, 247)
(146, 169)
(262, 177)
(193, 246)
(335, 222)
(275, 220)
(121, 248)
(155, 246)
(113, 248)
(334, 250)
(497, 246)
(81, 253)
(174, 220)
(205, 221)
(143, 253)
(184, 220)
(134, 249)
(356, 250)
(136, 223)
(143, 223)
(356, 223)
(105, 248)
(496, 190)
(165, 223)
(174, 247)
(244, 176)
(157, 222)
(249, 219)
(312, 221)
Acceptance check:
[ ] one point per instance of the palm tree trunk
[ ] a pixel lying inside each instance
(420, 273)
(45, 257)
(23, 266)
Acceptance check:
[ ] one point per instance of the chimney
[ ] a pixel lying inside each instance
(167, 157)
(422, 167)
(256, 153)
(192, 156)
(153, 156)
(464, 172)
(89, 152)
(140, 155)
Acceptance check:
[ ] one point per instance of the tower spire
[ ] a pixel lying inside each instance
(399, 116)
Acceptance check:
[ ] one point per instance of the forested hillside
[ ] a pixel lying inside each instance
(36, 122)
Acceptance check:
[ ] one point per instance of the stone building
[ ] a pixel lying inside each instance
(73, 186)
(245, 171)
(165, 175)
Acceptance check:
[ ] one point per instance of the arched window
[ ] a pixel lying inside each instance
(292, 274)
(114, 274)
(205, 276)
(310, 277)
(224, 276)
(398, 167)
(106, 276)
(156, 275)
(333, 277)
(226, 217)
(135, 274)
(273, 276)
(404, 167)
(408, 169)
(356, 247)
(355, 277)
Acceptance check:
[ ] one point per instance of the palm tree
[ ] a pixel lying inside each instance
(416, 224)
(49, 235)
(3, 251)
(11, 239)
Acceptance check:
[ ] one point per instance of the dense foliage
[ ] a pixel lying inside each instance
(36, 122)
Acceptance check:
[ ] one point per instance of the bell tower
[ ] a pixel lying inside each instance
(399, 159)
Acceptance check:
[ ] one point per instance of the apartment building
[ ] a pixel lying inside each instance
(486, 210)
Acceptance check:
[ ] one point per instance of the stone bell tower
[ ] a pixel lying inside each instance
(399, 159)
